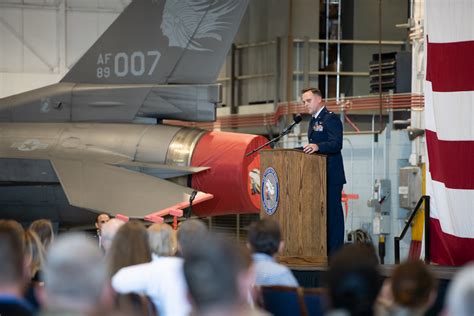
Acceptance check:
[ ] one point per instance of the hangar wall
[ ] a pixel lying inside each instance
(41, 40)
(360, 21)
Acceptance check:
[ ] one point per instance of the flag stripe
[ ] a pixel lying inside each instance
(453, 208)
(448, 249)
(449, 20)
(451, 162)
(450, 114)
(450, 66)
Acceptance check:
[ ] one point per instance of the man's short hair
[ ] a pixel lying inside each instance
(162, 239)
(98, 216)
(412, 284)
(353, 279)
(211, 269)
(11, 252)
(189, 232)
(265, 236)
(74, 273)
(313, 90)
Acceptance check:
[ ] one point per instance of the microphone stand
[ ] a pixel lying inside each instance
(191, 199)
(271, 141)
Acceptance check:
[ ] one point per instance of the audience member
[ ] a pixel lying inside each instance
(34, 255)
(129, 246)
(12, 270)
(101, 219)
(460, 296)
(162, 239)
(353, 281)
(413, 289)
(218, 277)
(190, 232)
(34, 252)
(108, 231)
(162, 279)
(44, 229)
(264, 239)
(75, 277)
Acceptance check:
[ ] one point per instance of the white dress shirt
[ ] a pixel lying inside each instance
(161, 279)
(317, 113)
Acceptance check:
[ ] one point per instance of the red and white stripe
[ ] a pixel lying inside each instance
(449, 119)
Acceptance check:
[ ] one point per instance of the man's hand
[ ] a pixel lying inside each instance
(310, 148)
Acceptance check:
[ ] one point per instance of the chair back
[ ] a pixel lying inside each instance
(313, 300)
(283, 300)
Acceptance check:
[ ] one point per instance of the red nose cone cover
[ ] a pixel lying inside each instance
(233, 179)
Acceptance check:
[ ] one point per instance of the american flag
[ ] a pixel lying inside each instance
(449, 122)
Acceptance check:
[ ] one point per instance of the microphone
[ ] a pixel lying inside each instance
(192, 197)
(296, 120)
(189, 211)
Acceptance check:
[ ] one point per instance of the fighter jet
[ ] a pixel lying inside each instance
(76, 148)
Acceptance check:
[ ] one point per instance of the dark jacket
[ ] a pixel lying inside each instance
(326, 132)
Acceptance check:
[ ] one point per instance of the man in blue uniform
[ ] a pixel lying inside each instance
(325, 137)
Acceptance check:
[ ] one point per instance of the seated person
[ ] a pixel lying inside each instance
(219, 275)
(264, 240)
(129, 247)
(412, 290)
(12, 270)
(353, 281)
(189, 233)
(44, 229)
(75, 278)
(34, 255)
(161, 279)
(459, 299)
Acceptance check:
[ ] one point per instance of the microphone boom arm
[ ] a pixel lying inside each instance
(271, 141)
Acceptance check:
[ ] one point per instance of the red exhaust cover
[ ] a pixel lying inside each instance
(233, 179)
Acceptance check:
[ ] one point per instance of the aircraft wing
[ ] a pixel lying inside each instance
(159, 170)
(115, 190)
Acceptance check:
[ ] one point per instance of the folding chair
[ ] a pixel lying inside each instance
(283, 300)
(313, 300)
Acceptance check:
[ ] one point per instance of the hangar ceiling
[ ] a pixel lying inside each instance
(40, 40)
(48, 36)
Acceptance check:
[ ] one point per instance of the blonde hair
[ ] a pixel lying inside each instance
(34, 250)
(44, 229)
(162, 239)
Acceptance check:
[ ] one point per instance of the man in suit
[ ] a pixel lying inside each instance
(101, 219)
(325, 137)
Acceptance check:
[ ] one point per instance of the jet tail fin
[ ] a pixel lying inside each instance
(161, 42)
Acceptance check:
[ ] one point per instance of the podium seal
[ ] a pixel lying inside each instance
(270, 191)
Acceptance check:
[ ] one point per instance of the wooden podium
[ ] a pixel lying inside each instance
(301, 206)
